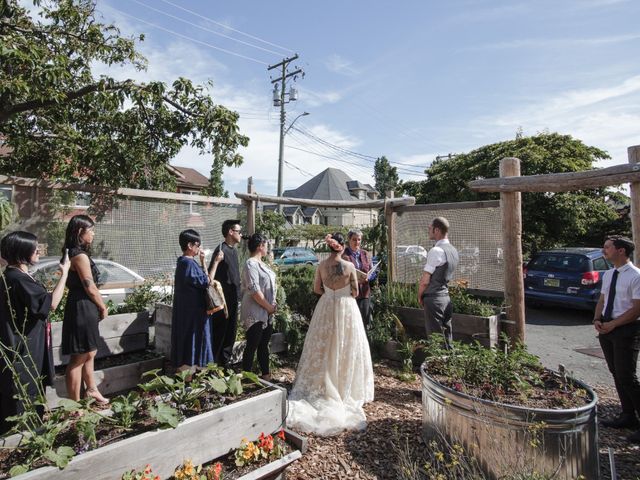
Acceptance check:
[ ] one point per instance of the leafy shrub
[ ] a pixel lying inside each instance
(406, 295)
(297, 285)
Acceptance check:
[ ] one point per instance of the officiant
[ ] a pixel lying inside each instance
(361, 259)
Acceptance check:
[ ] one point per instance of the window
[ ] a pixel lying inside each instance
(113, 274)
(600, 264)
(193, 206)
(82, 200)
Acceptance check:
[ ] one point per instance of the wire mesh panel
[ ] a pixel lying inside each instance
(142, 234)
(475, 231)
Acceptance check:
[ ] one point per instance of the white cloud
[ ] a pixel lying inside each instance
(338, 64)
(554, 42)
(606, 117)
(314, 98)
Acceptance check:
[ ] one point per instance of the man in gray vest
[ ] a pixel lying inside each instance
(433, 292)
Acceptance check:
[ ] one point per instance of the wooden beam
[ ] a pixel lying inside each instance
(125, 192)
(448, 206)
(512, 245)
(634, 191)
(390, 221)
(308, 202)
(560, 182)
(251, 208)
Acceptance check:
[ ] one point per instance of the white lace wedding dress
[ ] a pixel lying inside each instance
(334, 378)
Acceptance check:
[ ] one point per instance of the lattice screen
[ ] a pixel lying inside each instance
(475, 231)
(142, 234)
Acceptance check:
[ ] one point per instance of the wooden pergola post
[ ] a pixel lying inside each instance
(251, 208)
(390, 222)
(510, 203)
(634, 191)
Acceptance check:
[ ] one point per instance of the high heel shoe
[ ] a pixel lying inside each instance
(97, 396)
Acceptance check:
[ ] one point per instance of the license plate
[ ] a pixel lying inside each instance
(551, 282)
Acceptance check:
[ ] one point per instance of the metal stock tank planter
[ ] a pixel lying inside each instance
(506, 438)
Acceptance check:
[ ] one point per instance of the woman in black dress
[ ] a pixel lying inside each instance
(83, 311)
(24, 307)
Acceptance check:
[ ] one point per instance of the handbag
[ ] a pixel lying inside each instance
(214, 298)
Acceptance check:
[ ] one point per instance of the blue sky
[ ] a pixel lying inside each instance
(409, 80)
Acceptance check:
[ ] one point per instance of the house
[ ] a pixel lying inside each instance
(296, 215)
(334, 184)
(188, 180)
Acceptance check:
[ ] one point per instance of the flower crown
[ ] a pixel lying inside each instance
(333, 243)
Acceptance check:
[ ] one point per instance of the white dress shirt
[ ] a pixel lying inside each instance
(436, 256)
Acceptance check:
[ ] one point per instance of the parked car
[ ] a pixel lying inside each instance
(290, 256)
(116, 281)
(411, 251)
(570, 277)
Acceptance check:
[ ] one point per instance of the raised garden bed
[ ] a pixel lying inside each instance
(464, 326)
(122, 333)
(110, 379)
(510, 414)
(200, 437)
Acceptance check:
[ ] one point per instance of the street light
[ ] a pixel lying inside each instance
(283, 132)
(294, 121)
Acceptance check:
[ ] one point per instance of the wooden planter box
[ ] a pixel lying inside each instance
(109, 380)
(123, 333)
(464, 326)
(200, 438)
(162, 336)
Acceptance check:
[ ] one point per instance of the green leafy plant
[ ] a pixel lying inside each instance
(297, 284)
(145, 296)
(125, 409)
(7, 213)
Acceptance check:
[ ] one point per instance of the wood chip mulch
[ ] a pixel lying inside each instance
(396, 415)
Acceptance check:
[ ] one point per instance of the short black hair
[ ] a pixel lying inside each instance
(76, 227)
(228, 225)
(188, 236)
(255, 241)
(18, 247)
(622, 242)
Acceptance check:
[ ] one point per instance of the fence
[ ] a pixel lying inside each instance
(139, 230)
(475, 231)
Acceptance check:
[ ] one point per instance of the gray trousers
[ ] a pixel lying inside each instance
(438, 311)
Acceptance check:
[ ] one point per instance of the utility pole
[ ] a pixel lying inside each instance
(279, 100)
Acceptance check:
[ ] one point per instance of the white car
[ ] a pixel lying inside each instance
(116, 281)
(411, 250)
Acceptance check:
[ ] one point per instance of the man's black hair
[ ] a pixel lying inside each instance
(228, 225)
(623, 242)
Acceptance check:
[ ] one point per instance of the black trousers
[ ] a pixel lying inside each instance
(366, 310)
(224, 329)
(438, 311)
(257, 339)
(620, 348)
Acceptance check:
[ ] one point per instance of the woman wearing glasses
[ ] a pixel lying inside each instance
(191, 343)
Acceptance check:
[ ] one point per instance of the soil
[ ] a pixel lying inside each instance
(395, 418)
(107, 433)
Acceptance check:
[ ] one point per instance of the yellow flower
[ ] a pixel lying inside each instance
(439, 456)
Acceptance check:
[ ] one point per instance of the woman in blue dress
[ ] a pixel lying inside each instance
(190, 331)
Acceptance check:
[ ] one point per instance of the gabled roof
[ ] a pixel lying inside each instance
(287, 210)
(190, 176)
(331, 184)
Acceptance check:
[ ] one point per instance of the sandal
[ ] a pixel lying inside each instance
(97, 396)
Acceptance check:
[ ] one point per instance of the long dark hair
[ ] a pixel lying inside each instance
(76, 227)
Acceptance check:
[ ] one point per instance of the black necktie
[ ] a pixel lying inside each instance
(611, 297)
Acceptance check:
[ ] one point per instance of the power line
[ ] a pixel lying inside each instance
(304, 172)
(368, 158)
(189, 38)
(228, 27)
(204, 28)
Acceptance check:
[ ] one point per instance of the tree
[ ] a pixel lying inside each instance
(63, 122)
(386, 177)
(271, 224)
(549, 219)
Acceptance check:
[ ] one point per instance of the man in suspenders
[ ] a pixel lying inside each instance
(433, 293)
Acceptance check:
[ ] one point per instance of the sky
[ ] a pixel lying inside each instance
(410, 80)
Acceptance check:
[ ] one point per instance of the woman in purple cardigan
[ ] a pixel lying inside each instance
(361, 259)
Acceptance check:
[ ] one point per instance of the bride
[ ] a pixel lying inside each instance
(334, 377)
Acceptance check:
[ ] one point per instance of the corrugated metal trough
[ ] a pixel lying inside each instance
(508, 439)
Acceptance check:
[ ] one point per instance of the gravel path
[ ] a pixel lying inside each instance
(395, 417)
